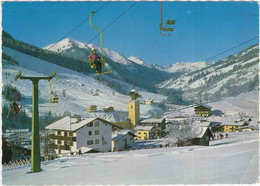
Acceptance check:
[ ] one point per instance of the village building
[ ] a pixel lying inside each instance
(144, 132)
(92, 108)
(70, 134)
(108, 109)
(122, 139)
(178, 120)
(202, 111)
(157, 123)
(134, 108)
(148, 102)
(205, 134)
(121, 119)
(233, 126)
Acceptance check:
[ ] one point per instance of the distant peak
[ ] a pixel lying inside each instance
(137, 60)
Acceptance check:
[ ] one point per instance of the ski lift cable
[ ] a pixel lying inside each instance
(105, 27)
(256, 37)
(76, 27)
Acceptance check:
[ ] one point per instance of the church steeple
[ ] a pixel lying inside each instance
(134, 107)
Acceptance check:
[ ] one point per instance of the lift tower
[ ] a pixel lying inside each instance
(35, 150)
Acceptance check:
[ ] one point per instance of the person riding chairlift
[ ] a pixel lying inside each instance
(93, 57)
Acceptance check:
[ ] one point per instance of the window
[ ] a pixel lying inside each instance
(71, 143)
(71, 133)
(90, 133)
(59, 133)
(90, 124)
(131, 106)
(65, 134)
(96, 124)
(97, 141)
(96, 132)
(90, 142)
(59, 142)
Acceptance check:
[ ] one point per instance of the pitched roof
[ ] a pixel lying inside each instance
(117, 117)
(120, 134)
(152, 120)
(71, 124)
(204, 106)
(143, 128)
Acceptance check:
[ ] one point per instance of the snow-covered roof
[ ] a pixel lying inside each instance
(249, 127)
(117, 117)
(120, 134)
(143, 128)
(209, 107)
(201, 123)
(152, 120)
(240, 123)
(71, 124)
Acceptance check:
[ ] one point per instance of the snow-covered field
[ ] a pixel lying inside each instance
(232, 160)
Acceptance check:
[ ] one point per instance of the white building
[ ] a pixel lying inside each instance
(70, 134)
(17, 135)
(122, 139)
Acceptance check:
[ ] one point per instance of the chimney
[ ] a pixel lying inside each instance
(78, 120)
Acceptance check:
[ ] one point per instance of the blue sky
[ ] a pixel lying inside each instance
(202, 30)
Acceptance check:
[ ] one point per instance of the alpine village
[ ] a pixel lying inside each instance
(76, 104)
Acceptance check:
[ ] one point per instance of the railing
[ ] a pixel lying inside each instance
(60, 147)
(67, 138)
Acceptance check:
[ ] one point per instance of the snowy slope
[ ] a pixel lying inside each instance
(79, 88)
(244, 104)
(137, 60)
(228, 77)
(66, 44)
(182, 67)
(232, 160)
(69, 43)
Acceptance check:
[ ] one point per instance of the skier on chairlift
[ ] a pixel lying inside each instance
(94, 58)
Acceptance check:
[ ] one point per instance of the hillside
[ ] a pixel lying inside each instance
(123, 68)
(232, 160)
(75, 90)
(228, 77)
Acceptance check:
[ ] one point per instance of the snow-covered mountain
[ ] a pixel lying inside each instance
(123, 68)
(183, 68)
(69, 43)
(231, 76)
(137, 60)
(75, 90)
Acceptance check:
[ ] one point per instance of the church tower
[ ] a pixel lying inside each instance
(134, 108)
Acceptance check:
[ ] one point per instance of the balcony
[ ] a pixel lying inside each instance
(60, 147)
(67, 138)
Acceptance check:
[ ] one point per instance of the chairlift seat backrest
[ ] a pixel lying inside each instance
(170, 22)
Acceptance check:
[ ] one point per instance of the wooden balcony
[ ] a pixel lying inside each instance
(67, 138)
(60, 147)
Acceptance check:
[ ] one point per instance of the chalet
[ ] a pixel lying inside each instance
(144, 132)
(70, 134)
(233, 126)
(158, 124)
(148, 102)
(205, 134)
(122, 139)
(92, 108)
(202, 111)
(108, 109)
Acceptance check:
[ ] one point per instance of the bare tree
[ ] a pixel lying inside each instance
(182, 134)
